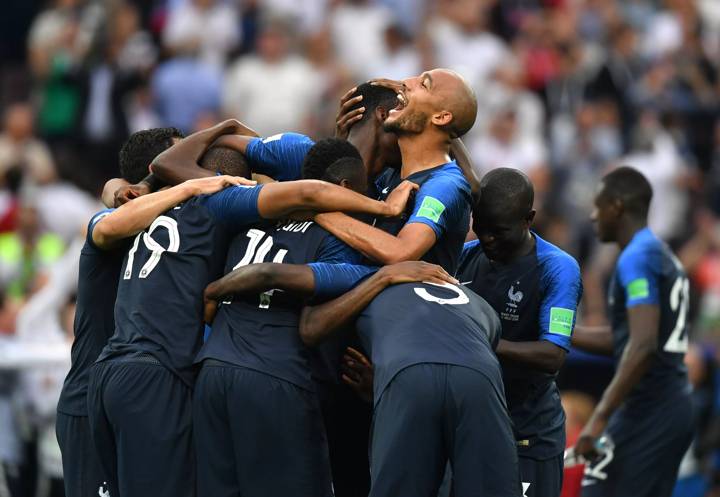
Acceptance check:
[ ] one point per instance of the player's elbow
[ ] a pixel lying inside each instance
(104, 233)
(309, 195)
(555, 359)
(308, 328)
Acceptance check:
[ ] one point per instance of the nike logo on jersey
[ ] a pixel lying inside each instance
(385, 190)
(525, 486)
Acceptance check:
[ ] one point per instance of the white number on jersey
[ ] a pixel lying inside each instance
(461, 298)
(679, 302)
(156, 249)
(255, 254)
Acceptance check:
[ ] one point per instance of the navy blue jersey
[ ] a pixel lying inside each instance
(536, 297)
(415, 323)
(94, 324)
(260, 332)
(442, 202)
(648, 272)
(279, 156)
(159, 309)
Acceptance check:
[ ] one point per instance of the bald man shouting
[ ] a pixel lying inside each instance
(432, 109)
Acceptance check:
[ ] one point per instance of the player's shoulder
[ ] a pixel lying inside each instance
(450, 176)
(644, 248)
(553, 256)
(471, 250)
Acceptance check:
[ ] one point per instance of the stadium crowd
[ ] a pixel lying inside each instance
(567, 90)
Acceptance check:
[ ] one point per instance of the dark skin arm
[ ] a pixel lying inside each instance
(411, 243)
(593, 339)
(462, 156)
(257, 278)
(319, 322)
(180, 162)
(541, 354)
(644, 321)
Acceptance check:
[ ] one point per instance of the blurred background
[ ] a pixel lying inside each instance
(566, 90)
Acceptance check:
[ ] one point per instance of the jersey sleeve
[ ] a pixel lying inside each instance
(637, 277)
(91, 226)
(279, 156)
(332, 280)
(562, 289)
(334, 251)
(439, 204)
(236, 206)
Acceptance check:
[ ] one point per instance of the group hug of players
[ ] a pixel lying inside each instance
(214, 318)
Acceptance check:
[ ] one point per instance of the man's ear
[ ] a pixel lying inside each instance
(381, 114)
(345, 183)
(442, 118)
(530, 217)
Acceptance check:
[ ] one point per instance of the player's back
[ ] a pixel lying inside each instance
(414, 323)
(442, 202)
(99, 271)
(649, 273)
(159, 305)
(260, 332)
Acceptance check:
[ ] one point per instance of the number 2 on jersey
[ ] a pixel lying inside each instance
(679, 302)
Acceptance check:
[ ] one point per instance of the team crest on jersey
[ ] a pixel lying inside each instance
(515, 296)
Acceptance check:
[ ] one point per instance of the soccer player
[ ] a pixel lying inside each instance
(94, 323)
(642, 425)
(140, 388)
(535, 288)
(258, 428)
(432, 109)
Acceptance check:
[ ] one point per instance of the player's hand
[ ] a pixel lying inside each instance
(412, 271)
(345, 117)
(358, 373)
(390, 84)
(213, 184)
(586, 445)
(125, 194)
(398, 198)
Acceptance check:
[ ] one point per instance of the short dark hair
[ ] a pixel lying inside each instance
(141, 149)
(349, 168)
(324, 153)
(374, 97)
(507, 190)
(225, 160)
(630, 187)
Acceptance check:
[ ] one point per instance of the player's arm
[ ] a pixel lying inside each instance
(133, 217)
(437, 205)
(643, 315)
(297, 279)
(462, 157)
(593, 339)
(320, 321)
(279, 200)
(180, 162)
(561, 289)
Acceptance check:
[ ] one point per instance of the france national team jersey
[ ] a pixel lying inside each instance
(94, 321)
(537, 298)
(416, 323)
(260, 332)
(648, 272)
(159, 309)
(279, 156)
(442, 202)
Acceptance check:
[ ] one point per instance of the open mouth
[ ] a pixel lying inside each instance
(402, 103)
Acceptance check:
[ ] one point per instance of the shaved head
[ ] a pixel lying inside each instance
(458, 99)
(507, 191)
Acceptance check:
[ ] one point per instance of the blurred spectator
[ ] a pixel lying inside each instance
(358, 28)
(308, 15)
(505, 146)
(183, 88)
(21, 150)
(274, 90)
(461, 41)
(209, 29)
(26, 254)
(400, 59)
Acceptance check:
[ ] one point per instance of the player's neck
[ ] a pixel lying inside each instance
(627, 231)
(522, 250)
(369, 151)
(420, 152)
